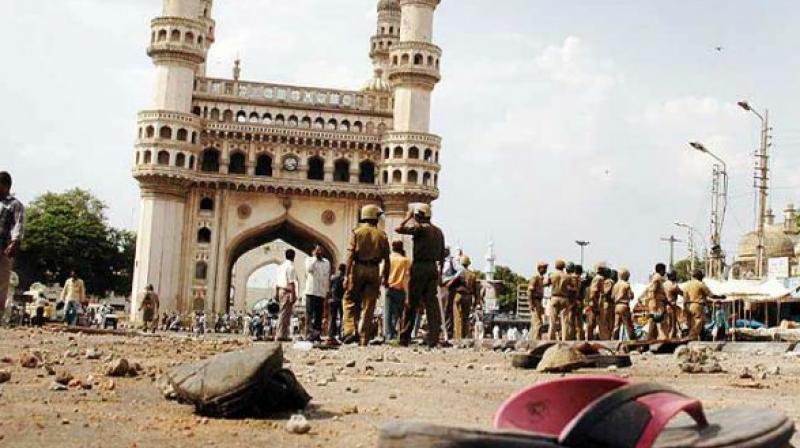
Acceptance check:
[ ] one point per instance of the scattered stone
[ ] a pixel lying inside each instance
(393, 396)
(63, 377)
(298, 425)
(349, 410)
(120, 367)
(776, 371)
(350, 364)
(29, 361)
(75, 384)
(612, 368)
(71, 353)
(700, 360)
(5, 376)
(745, 374)
(58, 387)
(92, 353)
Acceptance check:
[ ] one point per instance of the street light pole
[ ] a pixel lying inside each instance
(583, 245)
(692, 253)
(761, 183)
(671, 240)
(719, 206)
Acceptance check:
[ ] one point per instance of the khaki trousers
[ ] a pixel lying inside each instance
(606, 322)
(696, 318)
(462, 305)
(558, 312)
(537, 312)
(365, 287)
(577, 320)
(5, 276)
(622, 316)
(286, 300)
(592, 317)
(422, 287)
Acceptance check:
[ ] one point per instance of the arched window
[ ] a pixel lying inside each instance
(406, 59)
(413, 152)
(137, 157)
(385, 177)
(293, 121)
(413, 177)
(201, 270)
(426, 179)
(227, 116)
(150, 132)
(319, 123)
(386, 153)
(210, 162)
(437, 157)
(214, 115)
(237, 164)
(279, 120)
(341, 171)
(194, 138)
(189, 38)
(418, 59)
(332, 124)
(191, 162)
(162, 35)
(200, 40)
(207, 205)
(435, 180)
(165, 132)
(391, 30)
(175, 36)
(397, 176)
(266, 119)
(180, 160)
(316, 168)
(197, 111)
(394, 60)
(358, 127)
(163, 158)
(264, 165)
(254, 118)
(241, 117)
(183, 135)
(148, 157)
(430, 61)
(428, 155)
(344, 126)
(370, 127)
(305, 123)
(366, 172)
(204, 235)
(398, 152)
(382, 128)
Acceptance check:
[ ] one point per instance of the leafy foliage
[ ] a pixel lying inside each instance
(507, 301)
(69, 231)
(683, 268)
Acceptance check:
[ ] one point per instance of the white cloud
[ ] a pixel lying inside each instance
(573, 65)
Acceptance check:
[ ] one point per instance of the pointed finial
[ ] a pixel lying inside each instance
(237, 69)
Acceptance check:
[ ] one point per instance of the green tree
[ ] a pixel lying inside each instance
(69, 231)
(683, 268)
(507, 301)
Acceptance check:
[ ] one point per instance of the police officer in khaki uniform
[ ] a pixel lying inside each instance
(561, 293)
(657, 304)
(623, 294)
(606, 324)
(426, 274)
(535, 298)
(697, 295)
(368, 248)
(673, 291)
(464, 301)
(579, 297)
(595, 295)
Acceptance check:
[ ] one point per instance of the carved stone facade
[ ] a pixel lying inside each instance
(226, 166)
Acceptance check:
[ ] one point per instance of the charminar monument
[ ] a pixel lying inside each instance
(226, 166)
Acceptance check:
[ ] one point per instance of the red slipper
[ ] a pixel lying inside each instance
(602, 411)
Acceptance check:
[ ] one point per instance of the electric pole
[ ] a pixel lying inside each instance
(671, 240)
(761, 183)
(583, 245)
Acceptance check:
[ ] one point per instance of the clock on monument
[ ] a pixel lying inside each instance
(291, 163)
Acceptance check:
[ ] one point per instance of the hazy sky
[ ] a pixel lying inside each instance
(561, 119)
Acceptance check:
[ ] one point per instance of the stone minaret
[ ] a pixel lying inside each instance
(168, 146)
(410, 164)
(387, 34)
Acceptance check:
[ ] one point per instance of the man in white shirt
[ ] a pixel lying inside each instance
(286, 286)
(318, 286)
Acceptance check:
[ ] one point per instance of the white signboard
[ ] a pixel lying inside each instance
(778, 268)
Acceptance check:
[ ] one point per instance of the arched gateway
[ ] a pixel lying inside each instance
(226, 166)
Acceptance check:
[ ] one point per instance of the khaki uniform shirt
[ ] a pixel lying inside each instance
(608, 288)
(656, 294)
(368, 245)
(575, 281)
(696, 292)
(536, 287)
(672, 290)
(622, 293)
(596, 290)
(561, 284)
(428, 242)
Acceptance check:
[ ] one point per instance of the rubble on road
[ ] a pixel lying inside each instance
(698, 360)
(298, 424)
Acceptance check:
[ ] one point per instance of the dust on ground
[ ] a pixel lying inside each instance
(355, 390)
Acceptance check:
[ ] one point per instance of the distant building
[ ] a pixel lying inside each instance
(781, 241)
